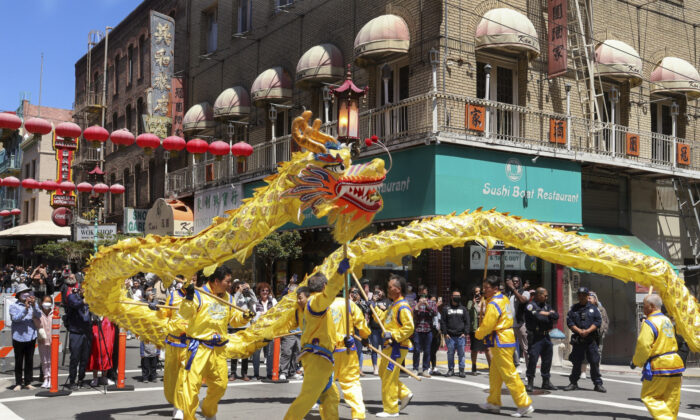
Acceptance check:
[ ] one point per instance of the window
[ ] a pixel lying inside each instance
(113, 197)
(503, 88)
(142, 56)
(129, 119)
(34, 168)
(32, 210)
(25, 213)
(209, 31)
(116, 74)
(152, 181)
(244, 16)
(282, 123)
(130, 66)
(26, 170)
(127, 188)
(662, 129)
(393, 83)
(139, 116)
(137, 185)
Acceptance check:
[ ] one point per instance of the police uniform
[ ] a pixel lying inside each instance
(497, 330)
(207, 325)
(583, 316)
(318, 341)
(347, 365)
(657, 352)
(539, 343)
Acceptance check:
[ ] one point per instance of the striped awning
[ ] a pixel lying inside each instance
(507, 30)
(675, 75)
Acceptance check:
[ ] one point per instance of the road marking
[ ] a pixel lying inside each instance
(459, 381)
(7, 414)
(639, 383)
(613, 404)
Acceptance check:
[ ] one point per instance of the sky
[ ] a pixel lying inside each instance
(57, 28)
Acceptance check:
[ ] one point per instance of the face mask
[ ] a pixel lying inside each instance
(23, 296)
(456, 299)
(46, 305)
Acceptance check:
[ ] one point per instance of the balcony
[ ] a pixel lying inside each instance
(12, 165)
(88, 156)
(88, 102)
(512, 128)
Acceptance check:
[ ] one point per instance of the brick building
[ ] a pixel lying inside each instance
(128, 80)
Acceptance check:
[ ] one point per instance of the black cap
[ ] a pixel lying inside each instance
(583, 290)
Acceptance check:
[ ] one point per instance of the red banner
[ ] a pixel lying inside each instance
(65, 150)
(177, 101)
(557, 38)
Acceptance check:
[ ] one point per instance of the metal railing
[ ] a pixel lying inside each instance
(11, 163)
(87, 100)
(436, 115)
(87, 154)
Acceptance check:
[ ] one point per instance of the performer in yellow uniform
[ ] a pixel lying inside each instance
(398, 321)
(317, 346)
(347, 364)
(662, 366)
(207, 322)
(175, 347)
(497, 328)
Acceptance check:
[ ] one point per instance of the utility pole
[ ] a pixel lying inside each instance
(41, 76)
(98, 214)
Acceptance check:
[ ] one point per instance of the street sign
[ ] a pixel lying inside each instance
(87, 232)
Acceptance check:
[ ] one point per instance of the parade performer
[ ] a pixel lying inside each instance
(318, 339)
(347, 364)
(497, 329)
(657, 353)
(398, 321)
(207, 322)
(175, 345)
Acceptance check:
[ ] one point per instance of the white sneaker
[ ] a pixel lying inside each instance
(315, 407)
(404, 401)
(490, 407)
(385, 415)
(523, 411)
(110, 382)
(94, 382)
(45, 384)
(283, 377)
(178, 414)
(583, 375)
(375, 372)
(298, 376)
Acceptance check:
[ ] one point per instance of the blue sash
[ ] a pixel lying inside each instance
(193, 346)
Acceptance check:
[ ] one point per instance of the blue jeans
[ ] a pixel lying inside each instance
(422, 342)
(268, 360)
(358, 344)
(459, 343)
(375, 339)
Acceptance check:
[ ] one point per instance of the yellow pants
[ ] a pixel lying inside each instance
(347, 373)
(171, 370)
(662, 396)
(317, 373)
(503, 370)
(209, 364)
(393, 390)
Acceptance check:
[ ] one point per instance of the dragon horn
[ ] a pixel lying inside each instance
(299, 130)
(316, 134)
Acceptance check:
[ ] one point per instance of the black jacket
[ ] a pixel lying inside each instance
(78, 314)
(455, 320)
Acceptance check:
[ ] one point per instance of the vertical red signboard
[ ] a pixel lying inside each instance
(557, 38)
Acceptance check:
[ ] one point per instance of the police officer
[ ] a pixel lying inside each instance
(539, 319)
(584, 320)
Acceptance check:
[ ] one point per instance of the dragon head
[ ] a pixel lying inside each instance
(330, 185)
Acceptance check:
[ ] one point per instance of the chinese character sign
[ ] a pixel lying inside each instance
(177, 101)
(557, 131)
(162, 63)
(632, 142)
(65, 149)
(557, 38)
(476, 117)
(683, 154)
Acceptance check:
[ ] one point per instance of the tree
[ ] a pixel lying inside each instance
(75, 252)
(276, 247)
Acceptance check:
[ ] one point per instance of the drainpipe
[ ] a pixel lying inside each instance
(487, 125)
(272, 115)
(674, 118)
(567, 87)
(434, 60)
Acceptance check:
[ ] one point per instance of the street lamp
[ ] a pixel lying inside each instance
(348, 96)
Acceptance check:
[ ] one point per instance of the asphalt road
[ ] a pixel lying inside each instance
(437, 397)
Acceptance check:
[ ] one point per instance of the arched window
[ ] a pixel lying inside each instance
(129, 119)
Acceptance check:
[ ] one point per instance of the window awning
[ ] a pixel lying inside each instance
(675, 75)
(273, 84)
(619, 61)
(382, 37)
(621, 238)
(40, 228)
(233, 102)
(198, 117)
(320, 63)
(507, 30)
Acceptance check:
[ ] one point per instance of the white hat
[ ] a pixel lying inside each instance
(21, 289)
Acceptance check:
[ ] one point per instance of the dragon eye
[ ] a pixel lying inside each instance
(339, 168)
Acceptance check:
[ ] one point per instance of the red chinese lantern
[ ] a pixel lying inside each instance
(101, 188)
(31, 184)
(197, 147)
(66, 186)
(15, 212)
(11, 182)
(4, 213)
(49, 186)
(10, 121)
(122, 137)
(174, 144)
(219, 148)
(148, 142)
(85, 187)
(96, 135)
(241, 150)
(68, 130)
(37, 126)
(117, 189)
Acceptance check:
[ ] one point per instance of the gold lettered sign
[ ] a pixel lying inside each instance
(683, 157)
(160, 126)
(476, 118)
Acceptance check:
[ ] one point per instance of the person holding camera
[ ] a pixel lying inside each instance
(25, 316)
(80, 334)
(244, 298)
(476, 308)
(584, 321)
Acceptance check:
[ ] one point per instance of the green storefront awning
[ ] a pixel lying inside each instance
(620, 237)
